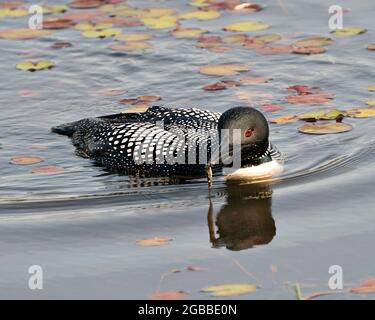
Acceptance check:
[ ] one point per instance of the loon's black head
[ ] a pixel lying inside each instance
(251, 134)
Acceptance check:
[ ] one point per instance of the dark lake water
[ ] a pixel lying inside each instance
(82, 225)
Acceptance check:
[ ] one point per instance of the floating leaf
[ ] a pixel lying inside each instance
(54, 9)
(235, 38)
(168, 295)
(362, 112)
(14, 13)
(221, 85)
(58, 23)
(267, 38)
(180, 32)
(83, 15)
(366, 286)
(134, 37)
(87, 25)
(370, 102)
(48, 169)
(255, 79)
(35, 66)
(26, 160)
(101, 33)
(304, 89)
(149, 98)
(223, 69)
(274, 49)
(199, 3)
(350, 31)
(246, 26)
(85, 4)
(200, 15)
(228, 290)
(156, 241)
(160, 23)
(136, 109)
(321, 114)
(371, 46)
(325, 128)
(23, 34)
(131, 46)
(284, 119)
(219, 49)
(248, 7)
(309, 50)
(313, 42)
(371, 87)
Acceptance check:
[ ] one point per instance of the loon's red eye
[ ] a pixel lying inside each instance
(248, 133)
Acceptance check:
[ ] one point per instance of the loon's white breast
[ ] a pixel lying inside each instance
(263, 171)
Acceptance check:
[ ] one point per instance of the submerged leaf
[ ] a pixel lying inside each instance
(255, 79)
(227, 290)
(131, 46)
(325, 128)
(156, 241)
(48, 169)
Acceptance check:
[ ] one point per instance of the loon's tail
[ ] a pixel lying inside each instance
(66, 129)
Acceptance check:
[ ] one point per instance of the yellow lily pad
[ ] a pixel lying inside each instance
(54, 9)
(370, 102)
(131, 46)
(199, 3)
(14, 13)
(325, 128)
(284, 119)
(35, 66)
(134, 37)
(321, 114)
(371, 46)
(228, 290)
(22, 33)
(362, 113)
(350, 31)
(246, 26)
(101, 33)
(371, 87)
(187, 32)
(160, 23)
(235, 38)
(223, 69)
(313, 42)
(200, 15)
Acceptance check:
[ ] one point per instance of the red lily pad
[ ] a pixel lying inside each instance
(85, 4)
(26, 160)
(274, 49)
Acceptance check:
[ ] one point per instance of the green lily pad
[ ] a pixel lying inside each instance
(325, 128)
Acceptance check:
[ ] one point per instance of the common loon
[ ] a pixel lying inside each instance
(178, 142)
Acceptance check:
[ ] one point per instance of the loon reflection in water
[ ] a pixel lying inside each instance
(245, 220)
